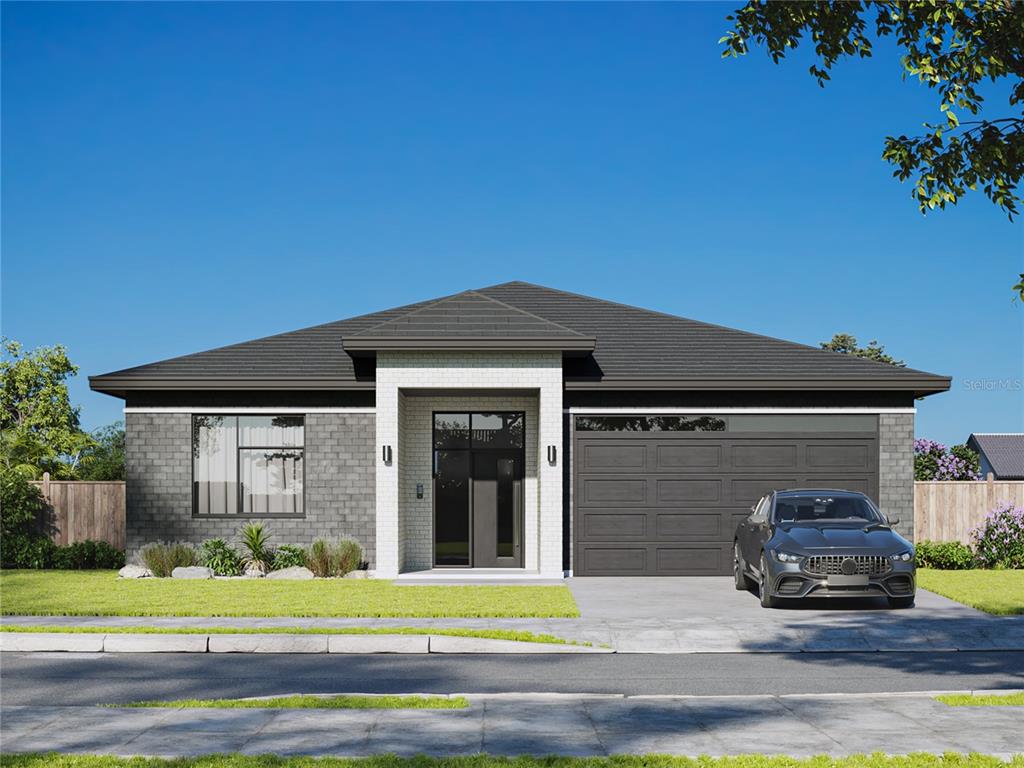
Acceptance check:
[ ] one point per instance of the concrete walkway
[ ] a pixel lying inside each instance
(534, 724)
(692, 615)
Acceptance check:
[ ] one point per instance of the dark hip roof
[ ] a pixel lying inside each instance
(607, 346)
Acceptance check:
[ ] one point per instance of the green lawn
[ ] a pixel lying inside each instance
(984, 700)
(919, 760)
(300, 701)
(999, 592)
(102, 593)
(489, 634)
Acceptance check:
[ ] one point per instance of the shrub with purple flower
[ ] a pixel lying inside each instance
(999, 539)
(934, 461)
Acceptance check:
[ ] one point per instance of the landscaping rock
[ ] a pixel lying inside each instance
(357, 575)
(134, 572)
(253, 573)
(192, 572)
(296, 572)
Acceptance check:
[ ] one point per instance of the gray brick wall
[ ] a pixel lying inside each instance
(896, 469)
(339, 495)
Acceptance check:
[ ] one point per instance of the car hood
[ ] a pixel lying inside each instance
(824, 538)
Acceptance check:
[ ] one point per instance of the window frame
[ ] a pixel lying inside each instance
(239, 515)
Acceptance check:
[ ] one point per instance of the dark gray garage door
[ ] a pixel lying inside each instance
(667, 504)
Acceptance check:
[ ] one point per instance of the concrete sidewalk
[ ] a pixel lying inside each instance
(534, 724)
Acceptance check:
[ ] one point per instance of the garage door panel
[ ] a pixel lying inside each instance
(605, 491)
(615, 526)
(614, 457)
(691, 525)
(841, 456)
(680, 458)
(671, 561)
(615, 561)
(761, 456)
(690, 491)
(648, 504)
(658, 525)
(655, 559)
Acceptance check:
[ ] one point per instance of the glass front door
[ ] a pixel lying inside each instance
(478, 478)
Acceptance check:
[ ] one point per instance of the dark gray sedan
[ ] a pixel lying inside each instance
(822, 543)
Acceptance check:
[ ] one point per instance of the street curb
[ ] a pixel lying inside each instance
(32, 642)
(155, 643)
(378, 643)
(267, 643)
(455, 644)
(51, 641)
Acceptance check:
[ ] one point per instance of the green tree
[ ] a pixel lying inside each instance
(953, 47)
(39, 428)
(103, 459)
(847, 345)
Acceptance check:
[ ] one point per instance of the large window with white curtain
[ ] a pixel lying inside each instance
(247, 465)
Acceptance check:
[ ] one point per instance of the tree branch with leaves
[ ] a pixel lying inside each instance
(952, 47)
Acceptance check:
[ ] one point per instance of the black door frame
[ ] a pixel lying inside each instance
(520, 452)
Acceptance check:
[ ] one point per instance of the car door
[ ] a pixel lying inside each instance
(751, 533)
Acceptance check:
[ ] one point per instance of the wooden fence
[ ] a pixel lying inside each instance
(84, 509)
(947, 510)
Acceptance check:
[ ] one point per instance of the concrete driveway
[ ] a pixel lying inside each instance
(707, 614)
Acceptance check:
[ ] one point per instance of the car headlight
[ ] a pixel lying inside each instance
(786, 557)
(901, 557)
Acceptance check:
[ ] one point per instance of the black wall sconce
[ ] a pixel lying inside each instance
(387, 454)
(552, 454)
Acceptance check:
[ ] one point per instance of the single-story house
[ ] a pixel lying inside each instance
(1000, 454)
(514, 426)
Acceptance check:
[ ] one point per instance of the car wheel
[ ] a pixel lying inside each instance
(901, 602)
(738, 572)
(767, 601)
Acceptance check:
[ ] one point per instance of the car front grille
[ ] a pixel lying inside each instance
(832, 565)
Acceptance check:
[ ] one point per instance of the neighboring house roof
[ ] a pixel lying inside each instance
(1004, 452)
(632, 348)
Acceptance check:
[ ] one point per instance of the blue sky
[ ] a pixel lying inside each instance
(182, 176)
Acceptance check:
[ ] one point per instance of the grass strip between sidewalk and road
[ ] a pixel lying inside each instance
(997, 592)
(520, 636)
(103, 593)
(982, 700)
(304, 701)
(877, 760)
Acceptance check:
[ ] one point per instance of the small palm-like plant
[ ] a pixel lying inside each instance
(258, 555)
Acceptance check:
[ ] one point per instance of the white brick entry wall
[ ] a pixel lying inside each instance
(404, 532)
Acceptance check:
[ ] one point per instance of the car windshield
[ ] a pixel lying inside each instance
(818, 507)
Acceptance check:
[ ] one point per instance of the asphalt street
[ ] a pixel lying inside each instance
(71, 679)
